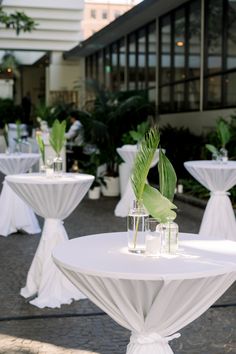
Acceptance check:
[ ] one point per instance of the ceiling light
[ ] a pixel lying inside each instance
(180, 44)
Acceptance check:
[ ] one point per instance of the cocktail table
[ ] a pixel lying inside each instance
(15, 214)
(54, 199)
(152, 297)
(219, 219)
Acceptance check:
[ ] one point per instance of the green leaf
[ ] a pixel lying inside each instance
(57, 135)
(157, 205)
(223, 132)
(212, 149)
(41, 147)
(167, 176)
(143, 161)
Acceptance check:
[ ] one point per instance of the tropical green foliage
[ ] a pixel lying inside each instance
(158, 205)
(18, 21)
(57, 136)
(223, 135)
(143, 162)
(167, 176)
(135, 136)
(108, 118)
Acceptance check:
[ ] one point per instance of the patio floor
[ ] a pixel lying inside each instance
(82, 328)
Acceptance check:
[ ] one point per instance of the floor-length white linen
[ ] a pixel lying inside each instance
(128, 154)
(15, 214)
(219, 219)
(54, 199)
(152, 297)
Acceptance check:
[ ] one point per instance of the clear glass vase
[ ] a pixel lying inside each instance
(58, 166)
(170, 233)
(136, 225)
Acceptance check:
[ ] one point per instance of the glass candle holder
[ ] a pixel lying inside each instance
(170, 232)
(152, 238)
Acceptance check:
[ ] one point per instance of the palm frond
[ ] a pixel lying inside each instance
(157, 205)
(143, 161)
(167, 176)
(57, 136)
(41, 147)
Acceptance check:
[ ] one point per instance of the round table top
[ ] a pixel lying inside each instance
(106, 255)
(11, 164)
(211, 164)
(41, 178)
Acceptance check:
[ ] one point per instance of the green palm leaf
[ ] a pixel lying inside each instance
(143, 161)
(41, 147)
(157, 205)
(167, 176)
(223, 132)
(212, 149)
(57, 135)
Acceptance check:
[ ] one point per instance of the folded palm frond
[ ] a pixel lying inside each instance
(158, 204)
(167, 176)
(143, 161)
(57, 135)
(41, 147)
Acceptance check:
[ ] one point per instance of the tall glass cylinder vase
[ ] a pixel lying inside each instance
(136, 228)
(170, 232)
(58, 166)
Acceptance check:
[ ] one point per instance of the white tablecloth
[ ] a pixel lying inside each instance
(152, 297)
(54, 199)
(219, 220)
(128, 154)
(14, 213)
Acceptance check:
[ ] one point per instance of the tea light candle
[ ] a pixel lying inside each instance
(180, 188)
(49, 172)
(153, 245)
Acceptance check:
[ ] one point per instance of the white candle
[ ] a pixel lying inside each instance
(153, 245)
(49, 172)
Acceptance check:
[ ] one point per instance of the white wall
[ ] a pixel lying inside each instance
(59, 24)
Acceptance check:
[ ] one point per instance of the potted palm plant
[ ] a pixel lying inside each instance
(109, 118)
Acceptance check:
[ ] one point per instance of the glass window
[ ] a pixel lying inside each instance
(104, 14)
(122, 64)
(194, 40)
(214, 35)
(100, 68)
(107, 68)
(114, 67)
(180, 58)
(141, 60)
(231, 38)
(193, 95)
(230, 87)
(214, 91)
(179, 45)
(165, 99)
(151, 62)
(93, 13)
(132, 62)
(165, 56)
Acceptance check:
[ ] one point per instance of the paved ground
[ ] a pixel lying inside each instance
(82, 328)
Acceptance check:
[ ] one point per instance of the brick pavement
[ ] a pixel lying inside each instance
(82, 328)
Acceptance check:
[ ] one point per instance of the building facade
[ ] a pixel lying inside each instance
(183, 53)
(98, 14)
